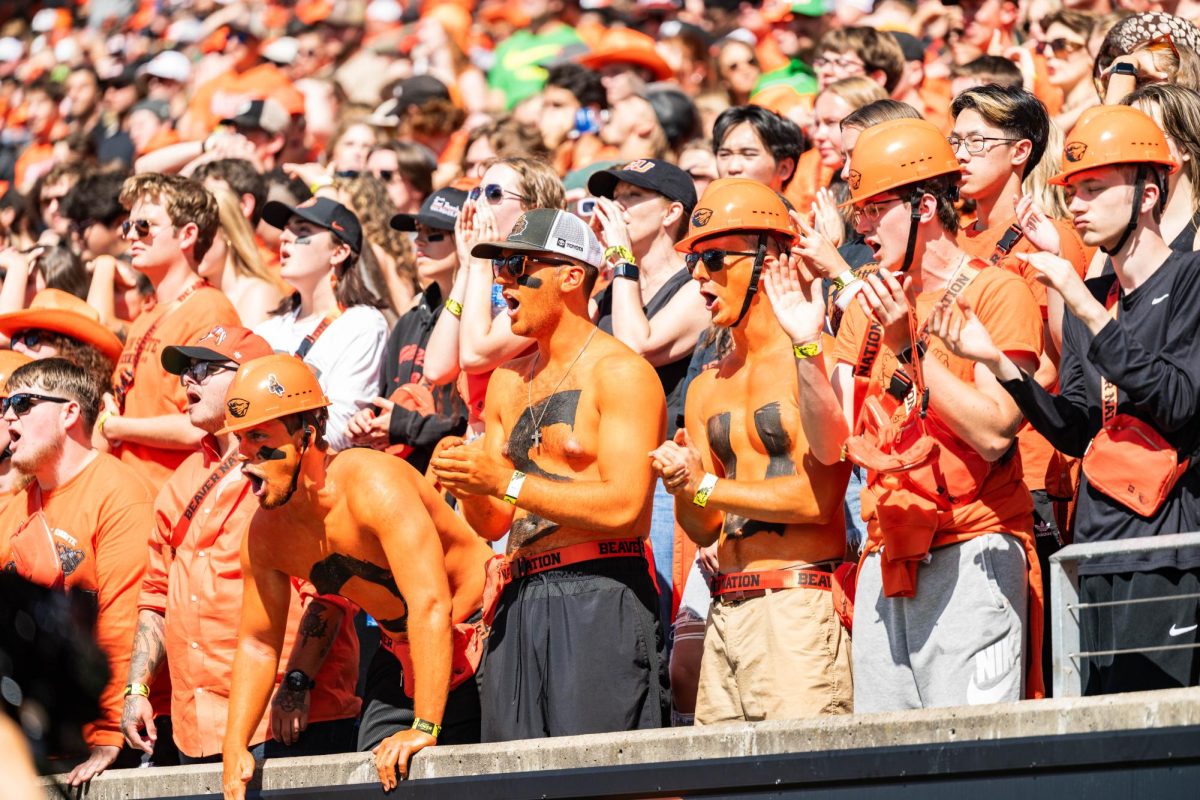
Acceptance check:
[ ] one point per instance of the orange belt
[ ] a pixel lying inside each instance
(734, 586)
(466, 651)
(503, 570)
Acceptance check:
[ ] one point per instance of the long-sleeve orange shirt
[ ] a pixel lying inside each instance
(194, 577)
(100, 520)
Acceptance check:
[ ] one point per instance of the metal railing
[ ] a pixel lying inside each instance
(1065, 606)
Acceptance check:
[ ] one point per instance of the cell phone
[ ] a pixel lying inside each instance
(586, 121)
(585, 207)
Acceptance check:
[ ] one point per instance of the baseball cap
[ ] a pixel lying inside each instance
(262, 115)
(547, 230)
(674, 110)
(221, 343)
(282, 50)
(386, 115)
(159, 108)
(170, 65)
(417, 91)
(11, 50)
(627, 46)
(439, 210)
(912, 47)
(649, 173)
(328, 214)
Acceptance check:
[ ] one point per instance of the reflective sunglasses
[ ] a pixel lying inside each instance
(714, 259)
(32, 338)
(518, 265)
(494, 193)
(22, 402)
(1059, 48)
(142, 226)
(386, 175)
(199, 371)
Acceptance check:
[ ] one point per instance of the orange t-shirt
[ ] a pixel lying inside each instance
(100, 520)
(1036, 452)
(35, 156)
(810, 176)
(156, 392)
(1007, 309)
(194, 577)
(223, 96)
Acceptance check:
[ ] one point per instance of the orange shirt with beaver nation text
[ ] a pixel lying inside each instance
(156, 392)
(194, 577)
(1037, 456)
(99, 520)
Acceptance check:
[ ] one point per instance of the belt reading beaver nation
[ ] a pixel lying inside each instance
(735, 586)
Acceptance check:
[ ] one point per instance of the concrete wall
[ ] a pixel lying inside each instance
(1163, 709)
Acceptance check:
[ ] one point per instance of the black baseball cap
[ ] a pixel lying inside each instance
(417, 91)
(264, 114)
(649, 173)
(329, 214)
(440, 210)
(675, 112)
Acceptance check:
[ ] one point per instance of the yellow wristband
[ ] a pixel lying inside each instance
(620, 252)
(137, 688)
(706, 486)
(103, 418)
(425, 726)
(808, 350)
(454, 307)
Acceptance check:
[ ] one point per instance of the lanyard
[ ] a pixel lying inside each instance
(125, 383)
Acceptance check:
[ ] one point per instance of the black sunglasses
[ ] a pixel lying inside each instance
(516, 266)
(31, 337)
(199, 371)
(433, 237)
(714, 260)
(386, 175)
(21, 403)
(142, 226)
(494, 193)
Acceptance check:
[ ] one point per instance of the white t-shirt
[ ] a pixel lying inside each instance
(347, 358)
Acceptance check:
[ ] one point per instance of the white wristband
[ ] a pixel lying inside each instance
(706, 486)
(514, 487)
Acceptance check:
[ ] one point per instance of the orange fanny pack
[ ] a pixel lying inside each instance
(503, 570)
(466, 651)
(34, 555)
(1130, 462)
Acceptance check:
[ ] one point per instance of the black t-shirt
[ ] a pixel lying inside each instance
(671, 375)
(1151, 352)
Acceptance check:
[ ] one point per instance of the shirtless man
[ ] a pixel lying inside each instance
(561, 466)
(334, 522)
(743, 475)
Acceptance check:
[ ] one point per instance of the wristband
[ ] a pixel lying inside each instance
(103, 418)
(905, 356)
(621, 252)
(841, 281)
(808, 350)
(425, 726)
(320, 183)
(514, 487)
(140, 689)
(454, 307)
(706, 486)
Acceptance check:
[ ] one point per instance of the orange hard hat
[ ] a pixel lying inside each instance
(1107, 135)
(731, 205)
(268, 388)
(10, 360)
(896, 153)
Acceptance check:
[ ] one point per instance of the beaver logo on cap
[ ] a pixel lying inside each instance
(855, 180)
(519, 228)
(238, 407)
(274, 386)
(1075, 150)
(217, 333)
(701, 217)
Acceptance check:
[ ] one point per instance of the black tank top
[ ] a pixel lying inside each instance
(670, 375)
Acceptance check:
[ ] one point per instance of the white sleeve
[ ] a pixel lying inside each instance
(348, 358)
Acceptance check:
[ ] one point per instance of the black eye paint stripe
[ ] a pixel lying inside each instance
(270, 454)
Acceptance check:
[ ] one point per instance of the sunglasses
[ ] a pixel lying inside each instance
(386, 175)
(1059, 48)
(1159, 44)
(141, 226)
(199, 371)
(32, 338)
(518, 265)
(21, 403)
(349, 174)
(494, 193)
(714, 260)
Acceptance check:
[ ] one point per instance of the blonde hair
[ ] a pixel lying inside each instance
(243, 251)
(857, 91)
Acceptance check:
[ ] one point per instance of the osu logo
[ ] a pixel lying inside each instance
(701, 217)
(1075, 150)
(238, 407)
(641, 165)
(274, 386)
(855, 179)
(217, 333)
(520, 226)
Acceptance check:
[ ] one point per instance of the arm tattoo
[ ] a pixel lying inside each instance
(314, 626)
(149, 648)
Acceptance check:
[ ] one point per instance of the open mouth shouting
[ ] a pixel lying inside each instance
(510, 300)
(710, 300)
(258, 484)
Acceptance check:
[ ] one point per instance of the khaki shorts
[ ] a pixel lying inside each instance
(783, 655)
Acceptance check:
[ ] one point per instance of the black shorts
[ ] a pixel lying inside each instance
(575, 650)
(1141, 625)
(387, 709)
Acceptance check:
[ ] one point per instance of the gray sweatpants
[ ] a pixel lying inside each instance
(959, 641)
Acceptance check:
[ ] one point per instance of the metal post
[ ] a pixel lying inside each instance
(1064, 624)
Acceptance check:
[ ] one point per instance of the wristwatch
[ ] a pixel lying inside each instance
(626, 270)
(297, 681)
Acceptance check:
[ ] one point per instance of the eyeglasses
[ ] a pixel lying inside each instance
(714, 259)
(348, 174)
(976, 143)
(199, 371)
(386, 175)
(1059, 48)
(431, 236)
(516, 266)
(494, 193)
(141, 226)
(872, 211)
(22, 402)
(840, 62)
(32, 338)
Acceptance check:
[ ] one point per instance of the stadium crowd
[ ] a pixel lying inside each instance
(384, 374)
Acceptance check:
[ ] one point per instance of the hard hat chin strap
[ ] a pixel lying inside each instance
(755, 274)
(299, 464)
(914, 222)
(1138, 188)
